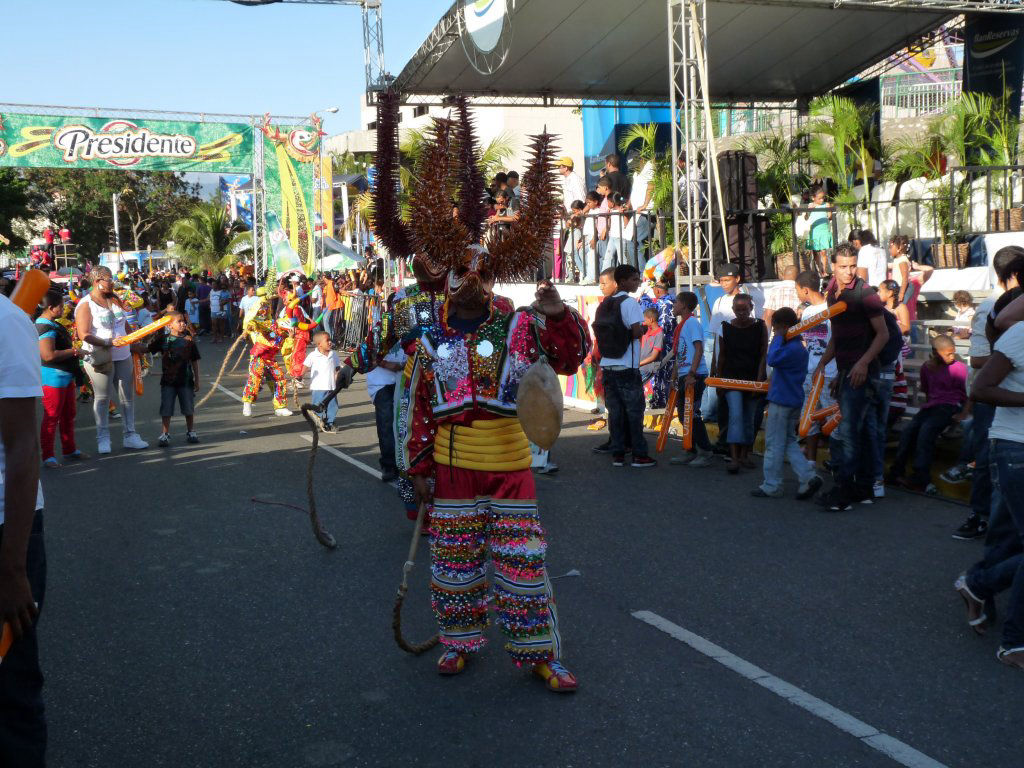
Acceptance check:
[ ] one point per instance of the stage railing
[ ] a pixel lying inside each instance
(630, 238)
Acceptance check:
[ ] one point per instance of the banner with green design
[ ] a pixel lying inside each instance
(63, 141)
(290, 154)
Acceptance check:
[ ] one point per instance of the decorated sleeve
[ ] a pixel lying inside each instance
(565, 340)
(418, 446)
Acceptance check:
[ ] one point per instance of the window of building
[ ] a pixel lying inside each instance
(419, 111)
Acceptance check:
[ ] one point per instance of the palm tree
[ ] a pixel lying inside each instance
(646, 135)
(207, 238)
(778, 165)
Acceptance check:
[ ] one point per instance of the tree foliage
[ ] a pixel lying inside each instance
(206, 238)
(14, 204)
(149, 203)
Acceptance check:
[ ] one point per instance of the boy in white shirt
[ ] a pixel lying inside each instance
(380, 386)
(808, 288)
(323, 365)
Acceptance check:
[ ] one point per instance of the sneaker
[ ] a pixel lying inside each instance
(558, 678)
(684, 460)
(878, 489)
(605, 447)
(835, 500)
(931, 489)
(325, 427)
(388, 475)
(103, 445)
(115, 414)
(50, 463)
(247, 409)
(548, 469)
(164, 440)
(960, 473)
(619, 460)
(75, 455)
(704, 459)
(643, 462)
(282, 412)
(1011, 657)
(192, 437)
(972, 528)
(451, 662)
(976, 617)
(862, 496)
(134, 442)
(807, 491)
(761, 493)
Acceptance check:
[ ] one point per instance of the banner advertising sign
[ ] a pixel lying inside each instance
(994, 56)
(290, 154)
(323, 197)
(62, 141)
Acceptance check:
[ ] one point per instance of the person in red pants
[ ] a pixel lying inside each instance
(60, 372)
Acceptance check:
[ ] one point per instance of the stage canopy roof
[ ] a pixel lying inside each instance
(758, 50)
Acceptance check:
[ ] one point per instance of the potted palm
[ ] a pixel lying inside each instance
(1000, 151)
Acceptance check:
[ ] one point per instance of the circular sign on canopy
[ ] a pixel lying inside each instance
(485, 28)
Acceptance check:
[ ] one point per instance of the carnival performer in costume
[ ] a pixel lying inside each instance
(460, 428)
(266, 339)
(300, 323)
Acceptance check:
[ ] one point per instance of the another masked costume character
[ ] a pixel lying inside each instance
(461, 427)
(267, 340)
(301, 324)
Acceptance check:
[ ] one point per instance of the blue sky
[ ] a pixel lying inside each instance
(201, 55)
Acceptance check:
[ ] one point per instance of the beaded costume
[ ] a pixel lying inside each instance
(459, 424)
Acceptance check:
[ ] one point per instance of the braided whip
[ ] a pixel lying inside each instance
(396, 621)
(321, 533)
(220, 375)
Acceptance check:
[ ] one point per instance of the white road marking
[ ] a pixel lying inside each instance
(345, 457)
(229, 393)
(893, 748)
(324, 447)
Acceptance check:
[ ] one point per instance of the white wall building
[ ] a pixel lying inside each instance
(516, 123)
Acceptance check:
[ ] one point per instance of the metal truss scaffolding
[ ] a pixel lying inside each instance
(259, 227)
(692, 154)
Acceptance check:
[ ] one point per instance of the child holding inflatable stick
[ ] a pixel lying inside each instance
(692, 373)
(788, 359)
(816, 337)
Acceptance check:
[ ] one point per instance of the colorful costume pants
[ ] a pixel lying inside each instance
(299, 353)
(258, 367)
(475, 511)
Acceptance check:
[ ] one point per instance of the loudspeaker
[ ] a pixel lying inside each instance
(745, 231)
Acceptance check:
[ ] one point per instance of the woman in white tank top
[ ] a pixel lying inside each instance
(100, 318)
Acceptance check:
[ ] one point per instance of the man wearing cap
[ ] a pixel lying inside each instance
(573, 187)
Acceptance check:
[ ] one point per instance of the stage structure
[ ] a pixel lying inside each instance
(536, 53)
(47, 136)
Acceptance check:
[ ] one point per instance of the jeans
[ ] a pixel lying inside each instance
(780, 443)
(122, 376)
(624, 398)
(850, 436)
(876, 427)
(1008, 458)
(605, 258)
(700, 432)
(22, 716)
(318, 395)
(981, 488)
(741, 416)
(919, 437)
(384, 406)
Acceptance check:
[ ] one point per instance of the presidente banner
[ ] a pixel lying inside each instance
(62, 141)
(994, 56)
(289, 159)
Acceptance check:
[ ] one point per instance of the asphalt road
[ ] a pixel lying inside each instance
(186, 626)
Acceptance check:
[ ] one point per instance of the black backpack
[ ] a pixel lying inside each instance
(894, 345)
(613, 337)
